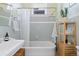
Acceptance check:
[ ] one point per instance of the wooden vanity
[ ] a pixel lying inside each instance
(66, 49)
(20, 52)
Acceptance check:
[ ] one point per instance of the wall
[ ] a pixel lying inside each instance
(41, 31)
(4, 29)
(74, 16)
(59, 7)
(41, 26)
(73, 10)
(4, 21)
(15, 13)
(35, 5)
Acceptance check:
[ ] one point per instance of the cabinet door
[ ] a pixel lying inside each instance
(20, 52)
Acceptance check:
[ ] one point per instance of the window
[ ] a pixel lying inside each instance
(38, 11)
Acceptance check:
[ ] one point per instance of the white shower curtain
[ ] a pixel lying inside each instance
(23, 18)
(24, 25)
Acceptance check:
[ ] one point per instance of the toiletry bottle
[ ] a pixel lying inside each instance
(6, 37)
(66, 41)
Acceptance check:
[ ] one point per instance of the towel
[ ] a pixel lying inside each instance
(54, 33)
(15, 25)
(54, 30)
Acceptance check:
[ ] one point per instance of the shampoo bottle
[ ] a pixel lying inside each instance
(6, 37)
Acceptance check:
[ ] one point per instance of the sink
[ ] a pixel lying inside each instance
(9, 48)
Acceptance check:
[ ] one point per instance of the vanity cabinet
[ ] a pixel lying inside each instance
(66, 41)
(20, 52)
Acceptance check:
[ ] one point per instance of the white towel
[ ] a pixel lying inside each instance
(15, 25)
(54, 33)
(54, 30)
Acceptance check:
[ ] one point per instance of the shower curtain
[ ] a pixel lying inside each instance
(23, 17)
(24, 25)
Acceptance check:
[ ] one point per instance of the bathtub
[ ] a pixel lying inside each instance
(77, 50)
(40, 48)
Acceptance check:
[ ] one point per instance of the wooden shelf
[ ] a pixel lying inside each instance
(66, 33)
(60, 33)
(69, 33)
(67, 22)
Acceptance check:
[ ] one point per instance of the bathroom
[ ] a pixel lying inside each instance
(35, 24)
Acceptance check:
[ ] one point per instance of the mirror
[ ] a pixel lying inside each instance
(5, 11)
(5, 14)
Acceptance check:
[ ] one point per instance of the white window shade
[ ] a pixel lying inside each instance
(44, 11)
(39, 11)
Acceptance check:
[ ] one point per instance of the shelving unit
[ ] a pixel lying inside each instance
(66, 42)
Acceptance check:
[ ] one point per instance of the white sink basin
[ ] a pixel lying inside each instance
(9, 48)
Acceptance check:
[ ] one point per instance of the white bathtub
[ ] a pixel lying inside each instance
(41, 48)
(77, 50)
